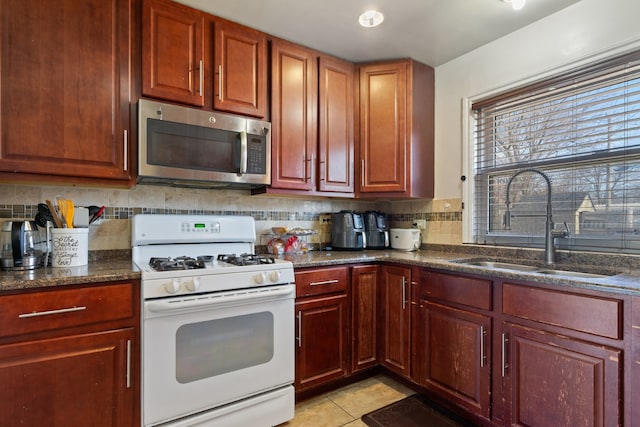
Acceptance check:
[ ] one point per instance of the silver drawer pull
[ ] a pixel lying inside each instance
(46, 313)
(326, 282)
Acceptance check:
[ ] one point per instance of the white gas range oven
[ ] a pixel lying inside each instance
(217, 323)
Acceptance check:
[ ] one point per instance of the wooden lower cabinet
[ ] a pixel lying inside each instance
(504, 353)
(69, 356)
(322, 326)
(552, 380)
(364, 289)
(79, 380)
(321, 340)
(395, 318)
(453, 348)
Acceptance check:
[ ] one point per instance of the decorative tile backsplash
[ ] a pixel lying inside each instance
(113, 229)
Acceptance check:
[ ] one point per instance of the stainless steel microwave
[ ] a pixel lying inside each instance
(184, 146)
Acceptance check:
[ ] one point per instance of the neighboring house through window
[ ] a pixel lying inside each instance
(581, 129)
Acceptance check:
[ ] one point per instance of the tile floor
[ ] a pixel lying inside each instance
(345, 406)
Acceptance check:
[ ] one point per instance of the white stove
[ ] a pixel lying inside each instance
(217, 338)
(206, 238)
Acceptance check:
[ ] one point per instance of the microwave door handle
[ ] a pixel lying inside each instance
(243, 153)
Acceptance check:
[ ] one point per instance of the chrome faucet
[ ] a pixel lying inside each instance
(550, 233)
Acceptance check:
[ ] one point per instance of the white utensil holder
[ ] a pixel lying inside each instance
(69, 247)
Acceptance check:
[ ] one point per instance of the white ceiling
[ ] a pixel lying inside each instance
(431, 31)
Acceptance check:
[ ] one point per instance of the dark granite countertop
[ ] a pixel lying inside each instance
(95, 272)
(623, 273)
(626, 280)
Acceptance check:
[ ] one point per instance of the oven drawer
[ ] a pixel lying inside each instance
(55, 309)
(321, 281)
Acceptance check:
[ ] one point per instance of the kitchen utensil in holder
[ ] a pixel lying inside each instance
(69, 247)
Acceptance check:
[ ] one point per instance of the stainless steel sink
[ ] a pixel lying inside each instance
(500, 265)
(565, 273)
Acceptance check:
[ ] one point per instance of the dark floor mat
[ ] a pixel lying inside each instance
(413, 411)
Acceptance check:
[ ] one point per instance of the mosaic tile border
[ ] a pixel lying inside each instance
(29, 211)
(447, 216)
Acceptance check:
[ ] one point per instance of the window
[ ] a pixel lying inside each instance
(582, 131)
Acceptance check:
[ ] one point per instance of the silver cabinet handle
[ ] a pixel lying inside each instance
(324, 282)
(322, 170)
(482, 355)
(128, 372)
(299, 337)
(48, 312)
(243, 153)
(307, 168)
(505, 340)
(201, 88)
(362, 173)
(126, 151)
(404, 292)
(220, 82)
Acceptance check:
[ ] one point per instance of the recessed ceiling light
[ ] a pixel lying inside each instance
(371, 18)
(516, 4)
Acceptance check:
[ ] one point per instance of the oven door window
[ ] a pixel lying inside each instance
(186, 146)
(215, 347)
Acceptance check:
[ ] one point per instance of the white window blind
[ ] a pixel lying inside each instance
(582, 130)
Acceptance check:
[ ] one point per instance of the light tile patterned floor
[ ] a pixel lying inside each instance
(345, 406)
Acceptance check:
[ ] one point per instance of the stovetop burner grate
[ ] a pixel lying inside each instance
(178, 263)
(246, 259)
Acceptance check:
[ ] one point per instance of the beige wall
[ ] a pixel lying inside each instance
(114, 231)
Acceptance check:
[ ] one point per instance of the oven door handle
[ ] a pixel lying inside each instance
(212, 300)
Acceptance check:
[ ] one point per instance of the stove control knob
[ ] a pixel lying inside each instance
(194, 285)
(261, 277)
(275, 276)
(172, 287)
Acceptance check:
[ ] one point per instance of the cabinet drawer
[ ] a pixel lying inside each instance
(457, 289)
(47, 310)
(583, 313)
(321, 281)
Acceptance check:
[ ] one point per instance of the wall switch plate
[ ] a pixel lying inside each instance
(420, 223)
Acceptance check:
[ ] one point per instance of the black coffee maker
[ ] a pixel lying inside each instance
(377, 230)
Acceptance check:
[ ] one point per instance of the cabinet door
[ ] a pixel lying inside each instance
(65, 87)
(364, 289)
(335, 144)
(395, 318)
(552, 380)
(240, 69)
(293, 116)
(81, 380)
(453, 348)
(383, 127)
(321, 338)
(172, 52)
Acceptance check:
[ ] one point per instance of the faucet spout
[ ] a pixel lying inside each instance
(550, 234)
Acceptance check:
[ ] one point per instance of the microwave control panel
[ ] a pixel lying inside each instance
(256, 154)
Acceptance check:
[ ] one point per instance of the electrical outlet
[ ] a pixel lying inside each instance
(420, 223)
(324, 218)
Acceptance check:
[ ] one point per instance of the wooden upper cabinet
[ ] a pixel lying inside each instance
(335, 136)
(240, 69)
(65, 89)
(173, 53)
(293, 116)
(194, 58)
(396, 129)
(312, 109)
